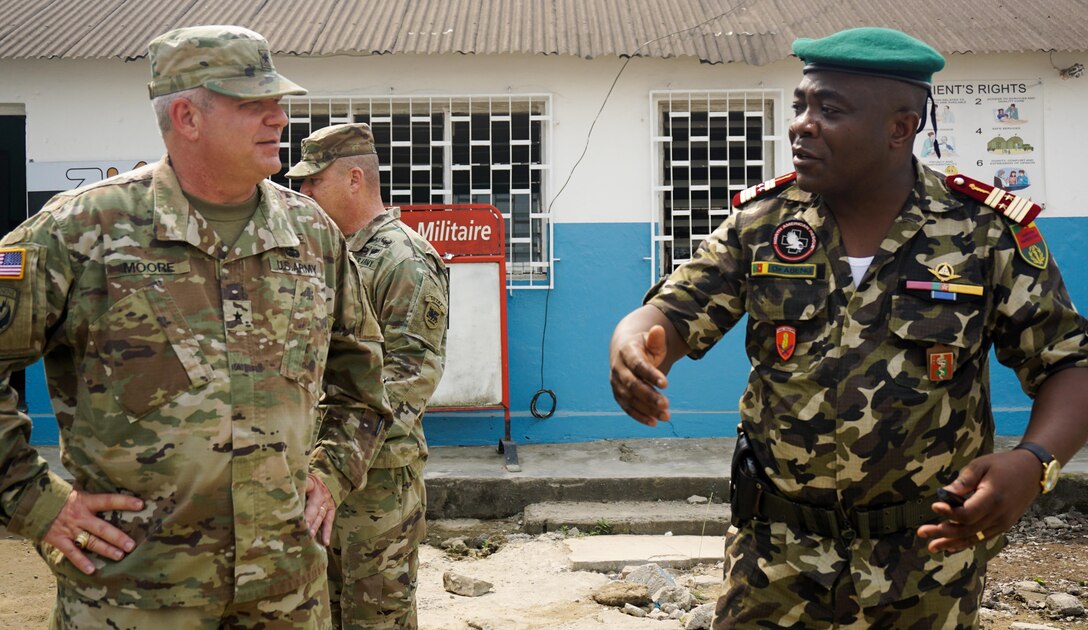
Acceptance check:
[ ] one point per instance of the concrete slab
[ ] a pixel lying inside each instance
(663, 457)
(470, 482)
(608, 554)
(628, 517)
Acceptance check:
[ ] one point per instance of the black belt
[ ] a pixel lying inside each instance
(755, 499)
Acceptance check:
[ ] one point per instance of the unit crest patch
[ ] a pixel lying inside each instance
(9, 304)
(794, 241)
(434, 312)
(785, 341)
(942, 363)
(1030, 244)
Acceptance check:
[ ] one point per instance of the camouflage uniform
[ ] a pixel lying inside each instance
(305, 608)
(375, 550)
(187, 373)
(851, 419)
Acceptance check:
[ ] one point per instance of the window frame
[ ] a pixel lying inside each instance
(773, 139)
(532, 271)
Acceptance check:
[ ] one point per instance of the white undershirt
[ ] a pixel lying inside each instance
(858, 267)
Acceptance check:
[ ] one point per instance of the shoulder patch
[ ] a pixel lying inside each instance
(12, 263)
(762, 188)
(1030, 244)
(1019, 209)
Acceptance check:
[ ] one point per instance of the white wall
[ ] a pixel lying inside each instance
(98, 110)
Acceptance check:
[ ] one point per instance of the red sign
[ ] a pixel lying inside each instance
(460, 232)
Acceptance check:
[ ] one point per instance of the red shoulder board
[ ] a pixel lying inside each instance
(1019, 209)
(749, 194)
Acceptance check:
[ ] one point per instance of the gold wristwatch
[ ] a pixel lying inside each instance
(1051, 467)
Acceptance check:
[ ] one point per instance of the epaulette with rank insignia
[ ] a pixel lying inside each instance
(762, 188)
(1019, 209)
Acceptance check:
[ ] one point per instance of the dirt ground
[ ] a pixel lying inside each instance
(534, 587)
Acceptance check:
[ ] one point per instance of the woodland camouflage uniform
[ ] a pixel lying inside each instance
(851, 419)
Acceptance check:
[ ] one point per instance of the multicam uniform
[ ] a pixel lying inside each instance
(187, 373)
(868, 396)
(375, 550)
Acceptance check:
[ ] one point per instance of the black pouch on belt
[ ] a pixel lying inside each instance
(747, 482)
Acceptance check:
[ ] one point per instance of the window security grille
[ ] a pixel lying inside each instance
(709, 145)
(471, 149)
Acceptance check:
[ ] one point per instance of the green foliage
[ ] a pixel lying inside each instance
(602, 528)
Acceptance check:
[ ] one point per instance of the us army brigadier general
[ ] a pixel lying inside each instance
(191, 314)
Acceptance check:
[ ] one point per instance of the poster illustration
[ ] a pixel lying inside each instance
(991, 131)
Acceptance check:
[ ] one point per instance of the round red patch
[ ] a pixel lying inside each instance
(794, 241)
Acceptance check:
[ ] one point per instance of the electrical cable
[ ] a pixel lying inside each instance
(585, 149)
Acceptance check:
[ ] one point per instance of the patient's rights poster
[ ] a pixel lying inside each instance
(991, 131)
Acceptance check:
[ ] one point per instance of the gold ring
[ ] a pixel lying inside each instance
(82, 539)
(324, 508)
(981, 537)
(56, 556)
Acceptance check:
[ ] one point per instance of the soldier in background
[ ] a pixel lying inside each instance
(874, 290)
(374, 556)
(184, 311)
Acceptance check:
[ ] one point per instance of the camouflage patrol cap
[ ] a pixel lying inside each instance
(230, 60)
(880, 52)
(325, 145)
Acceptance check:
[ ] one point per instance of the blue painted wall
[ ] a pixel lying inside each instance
(601, 275)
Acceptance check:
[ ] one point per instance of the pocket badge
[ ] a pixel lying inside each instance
(785, 341)
(942, 363)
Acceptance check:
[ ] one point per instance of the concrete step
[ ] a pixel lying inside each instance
(612, 553)
(628, 517)
(470, 482)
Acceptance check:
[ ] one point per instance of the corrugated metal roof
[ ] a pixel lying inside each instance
(754, 32)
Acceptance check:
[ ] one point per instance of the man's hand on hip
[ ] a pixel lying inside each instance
(78, 528)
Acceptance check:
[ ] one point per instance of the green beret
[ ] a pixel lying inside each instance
(881, 52)
(326, 145)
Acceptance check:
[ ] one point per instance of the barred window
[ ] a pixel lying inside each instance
(470, 149)
(709, 145)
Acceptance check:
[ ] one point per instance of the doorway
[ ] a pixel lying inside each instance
(13, 194)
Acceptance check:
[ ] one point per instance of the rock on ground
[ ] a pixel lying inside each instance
(701, 618)
(463, 585)
(617, 594)
(653, 576)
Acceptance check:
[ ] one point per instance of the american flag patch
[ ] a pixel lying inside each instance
(11, 263)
